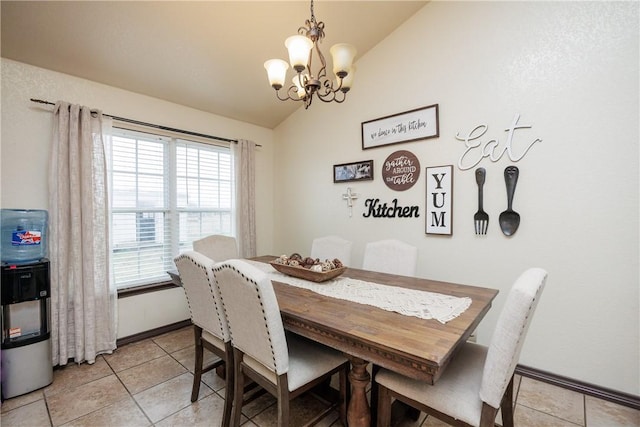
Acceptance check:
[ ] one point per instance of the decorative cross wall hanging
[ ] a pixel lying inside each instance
(350, 197)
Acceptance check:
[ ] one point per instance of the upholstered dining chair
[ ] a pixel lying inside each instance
(286, 365)
(394, 257)
(390, 256)
(217, 247)
(209, 322)
(330, 247)
(479, 380)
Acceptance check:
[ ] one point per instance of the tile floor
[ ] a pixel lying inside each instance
(148, 383)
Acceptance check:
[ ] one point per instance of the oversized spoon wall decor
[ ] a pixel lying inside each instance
(510, 220)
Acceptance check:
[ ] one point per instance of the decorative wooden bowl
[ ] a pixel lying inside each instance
(306, 274)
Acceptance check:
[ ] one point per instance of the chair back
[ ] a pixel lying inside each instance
(203, 297)
(508, 337)
(331, 247)
(390, 256)
(253, 314)
(217, 247)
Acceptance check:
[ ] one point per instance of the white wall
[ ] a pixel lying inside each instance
(571, 70)
(26, 136)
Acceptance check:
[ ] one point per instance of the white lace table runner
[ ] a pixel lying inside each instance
(409, 302)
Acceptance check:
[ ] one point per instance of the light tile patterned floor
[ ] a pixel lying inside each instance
(149, 384)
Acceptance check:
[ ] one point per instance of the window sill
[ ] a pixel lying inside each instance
(145, 289)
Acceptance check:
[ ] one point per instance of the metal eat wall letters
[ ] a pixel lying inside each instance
(477, 150)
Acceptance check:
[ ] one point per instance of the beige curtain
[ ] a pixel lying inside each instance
(83, 302)
(244, 166)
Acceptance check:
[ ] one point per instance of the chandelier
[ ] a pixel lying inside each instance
(306, 84)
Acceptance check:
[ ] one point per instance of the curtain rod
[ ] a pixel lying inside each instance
(151, 125)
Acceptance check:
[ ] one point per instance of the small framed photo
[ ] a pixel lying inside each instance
(358, 171)
(439, 200)
(421, 123)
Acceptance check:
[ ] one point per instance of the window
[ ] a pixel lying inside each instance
(165, 193)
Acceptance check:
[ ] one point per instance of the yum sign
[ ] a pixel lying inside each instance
(439, 200)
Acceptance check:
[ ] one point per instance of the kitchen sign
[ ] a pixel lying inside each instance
(378, 209)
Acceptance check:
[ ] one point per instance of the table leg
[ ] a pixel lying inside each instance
(358, 412)
(220, 371)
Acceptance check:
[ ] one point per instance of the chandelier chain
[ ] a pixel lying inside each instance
(313, 16)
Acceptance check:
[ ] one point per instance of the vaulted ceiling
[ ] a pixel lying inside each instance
(207, 55)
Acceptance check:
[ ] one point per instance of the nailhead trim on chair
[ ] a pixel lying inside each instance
(533, 301)
(181, 257)
(215, 303)
(255, 287)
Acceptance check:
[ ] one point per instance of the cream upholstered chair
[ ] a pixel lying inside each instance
(217, 247)
(479, 380)
(390, 256)
(284, 365)
(394, 257)
(331, 247)
(209, 322)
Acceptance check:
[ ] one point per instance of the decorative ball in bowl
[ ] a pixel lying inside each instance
(308, 268)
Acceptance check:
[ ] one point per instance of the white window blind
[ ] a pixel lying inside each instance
(165, 193)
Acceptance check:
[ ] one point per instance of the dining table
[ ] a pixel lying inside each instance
(413, 346)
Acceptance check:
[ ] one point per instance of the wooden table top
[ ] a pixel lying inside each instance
(408, 345)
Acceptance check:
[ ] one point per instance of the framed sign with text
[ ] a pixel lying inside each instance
(439, 198)
(421, 123)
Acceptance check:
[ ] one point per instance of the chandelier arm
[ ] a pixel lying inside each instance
(331, 95)
(337, 98)
(341, 100)
(302, 80)
(326, 90)
(322, 72)
(309, 63)
(329, 86)
(288, 97)
(307, 101)
(308, 91)
(292, 93)
(327, 96)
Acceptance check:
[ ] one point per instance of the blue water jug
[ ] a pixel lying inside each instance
(24, 235)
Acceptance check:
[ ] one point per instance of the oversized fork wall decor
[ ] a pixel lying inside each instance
(481, 218)
(509, 219)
